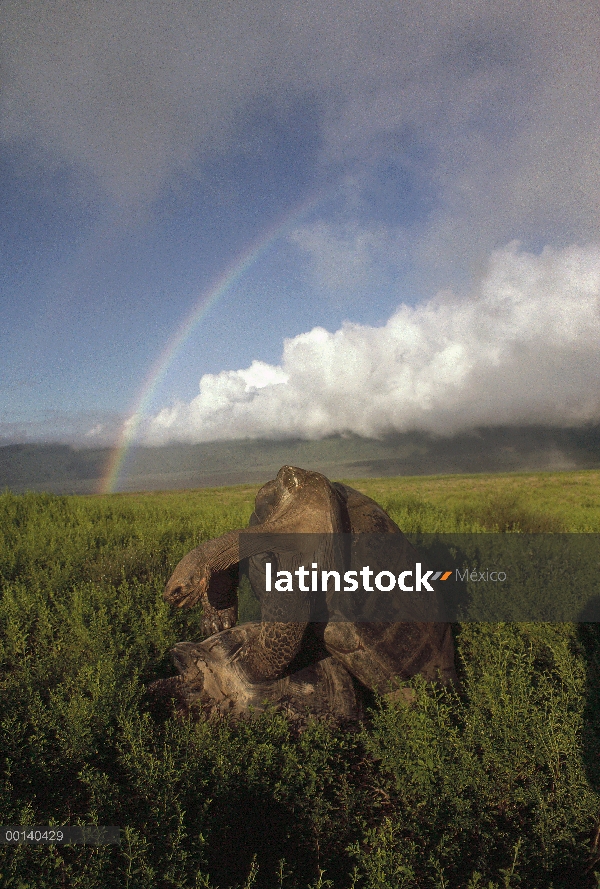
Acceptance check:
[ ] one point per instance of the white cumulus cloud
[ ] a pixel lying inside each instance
(523, 348)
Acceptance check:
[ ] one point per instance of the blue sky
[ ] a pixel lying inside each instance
(446, 273)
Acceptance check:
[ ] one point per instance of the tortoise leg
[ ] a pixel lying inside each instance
(272, 650)
(219, 602)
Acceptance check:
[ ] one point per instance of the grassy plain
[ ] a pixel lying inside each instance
(495, 786)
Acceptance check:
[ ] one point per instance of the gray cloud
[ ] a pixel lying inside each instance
(129, 92)
(523, 349)
(501, 99)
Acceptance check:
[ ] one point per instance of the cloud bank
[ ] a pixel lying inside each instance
(524, 348)
(495, 105)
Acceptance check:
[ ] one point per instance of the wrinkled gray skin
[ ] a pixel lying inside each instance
(303, 502)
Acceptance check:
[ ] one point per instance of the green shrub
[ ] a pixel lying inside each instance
(491, 785)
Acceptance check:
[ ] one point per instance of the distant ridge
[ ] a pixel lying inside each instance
(63, 469)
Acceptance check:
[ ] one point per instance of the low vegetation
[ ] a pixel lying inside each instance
(492, 785)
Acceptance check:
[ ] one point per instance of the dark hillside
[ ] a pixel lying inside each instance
(66, 470)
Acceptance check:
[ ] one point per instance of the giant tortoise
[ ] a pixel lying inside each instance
(301, 665)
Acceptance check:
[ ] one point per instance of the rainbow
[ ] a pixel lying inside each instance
(207, 300)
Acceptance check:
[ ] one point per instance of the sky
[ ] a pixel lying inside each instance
(224, 219)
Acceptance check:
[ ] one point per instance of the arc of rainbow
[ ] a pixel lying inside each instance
(208, 299)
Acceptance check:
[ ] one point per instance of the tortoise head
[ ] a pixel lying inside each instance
(199, 577)
(189, 582)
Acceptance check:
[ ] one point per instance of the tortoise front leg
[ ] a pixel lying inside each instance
(276, 647)
(219, 602)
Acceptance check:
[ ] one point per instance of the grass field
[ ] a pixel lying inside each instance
(498, 786)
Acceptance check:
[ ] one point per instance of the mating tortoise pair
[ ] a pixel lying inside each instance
(303, 666)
